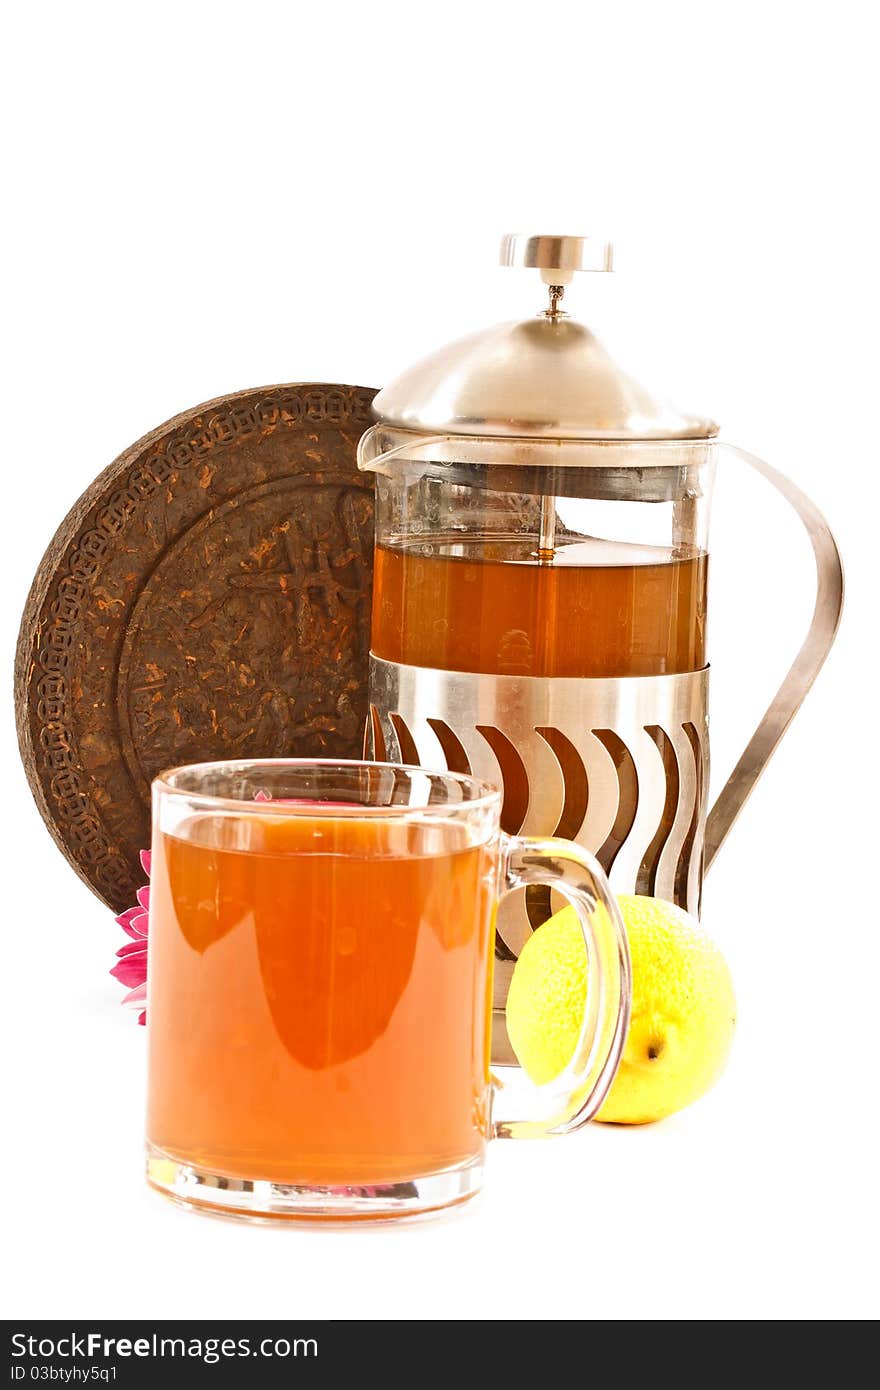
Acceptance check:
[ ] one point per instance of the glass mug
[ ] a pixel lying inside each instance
(320, 988)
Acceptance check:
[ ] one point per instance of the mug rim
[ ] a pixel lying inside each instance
(486, 796)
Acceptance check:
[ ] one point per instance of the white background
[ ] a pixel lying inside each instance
(208, 197)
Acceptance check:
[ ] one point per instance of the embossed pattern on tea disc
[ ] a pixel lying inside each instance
(207, 596)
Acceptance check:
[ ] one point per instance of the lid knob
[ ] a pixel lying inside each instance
(557, 257)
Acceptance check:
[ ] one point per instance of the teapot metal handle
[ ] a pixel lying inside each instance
(801, 674)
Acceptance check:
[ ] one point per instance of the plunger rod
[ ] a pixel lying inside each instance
(547, 538)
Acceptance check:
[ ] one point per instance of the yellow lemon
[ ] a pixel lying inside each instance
(683, 1008)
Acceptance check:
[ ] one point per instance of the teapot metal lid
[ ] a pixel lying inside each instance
(544, 378)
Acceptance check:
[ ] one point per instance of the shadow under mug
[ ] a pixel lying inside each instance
(320, 988)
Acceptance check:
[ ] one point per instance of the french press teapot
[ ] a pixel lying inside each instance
(540, 596)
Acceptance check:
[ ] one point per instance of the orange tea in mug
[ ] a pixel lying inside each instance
(303, 957)
(320, 987)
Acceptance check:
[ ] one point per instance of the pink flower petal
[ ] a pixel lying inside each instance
(138, 947)
(135, 922)
(125, 918)
(140, 925)
(131, 970)
(131, 967)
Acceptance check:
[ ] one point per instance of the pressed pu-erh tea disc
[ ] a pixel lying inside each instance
(207, 597)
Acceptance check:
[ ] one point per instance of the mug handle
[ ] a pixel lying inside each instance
(572, 1098)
